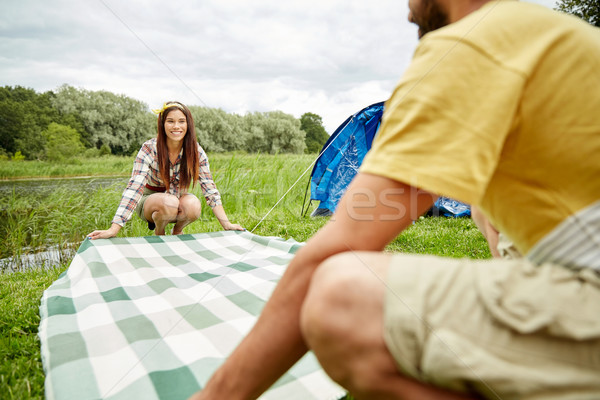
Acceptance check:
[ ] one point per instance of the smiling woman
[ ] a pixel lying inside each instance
(162, 173)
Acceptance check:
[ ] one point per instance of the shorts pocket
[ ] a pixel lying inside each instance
(529, 298)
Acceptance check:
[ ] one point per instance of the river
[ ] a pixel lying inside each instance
(53, 255)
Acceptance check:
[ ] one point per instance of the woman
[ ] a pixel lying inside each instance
(162, 173)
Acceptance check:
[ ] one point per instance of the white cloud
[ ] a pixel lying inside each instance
(328, 57)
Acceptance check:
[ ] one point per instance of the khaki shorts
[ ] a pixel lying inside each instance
(139, 209)
(503, 328)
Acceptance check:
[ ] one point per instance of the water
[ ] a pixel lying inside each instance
(52, 256)
(27, 187)
(49, 258)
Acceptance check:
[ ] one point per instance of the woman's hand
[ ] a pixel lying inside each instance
(228, 226)
(221, 216)
(105, 234)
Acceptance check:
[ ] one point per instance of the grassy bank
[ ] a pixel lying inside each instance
(121, 166)
(21, 373)
(250, 186)
(107, 165)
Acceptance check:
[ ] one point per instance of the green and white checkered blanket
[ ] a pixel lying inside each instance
(153, 317)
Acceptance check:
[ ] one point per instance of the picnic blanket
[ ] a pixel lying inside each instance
(153, 317)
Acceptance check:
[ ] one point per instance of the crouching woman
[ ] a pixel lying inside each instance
(163, 171)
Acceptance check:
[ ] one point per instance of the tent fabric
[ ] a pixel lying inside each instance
(448, 207)
(341, 157)
(153, 317)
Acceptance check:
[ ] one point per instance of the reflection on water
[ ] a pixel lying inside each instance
(52, 256)
(49, 258)
(44, 186)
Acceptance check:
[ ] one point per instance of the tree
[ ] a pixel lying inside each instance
(118, 121)
(283, 133)
(62, 142)
(273, 132)
(316, 136)
(24, 114)
(217, 130)
(588, 10)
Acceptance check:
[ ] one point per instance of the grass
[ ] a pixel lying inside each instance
(94, 166)
(21, 373)
(250, 186)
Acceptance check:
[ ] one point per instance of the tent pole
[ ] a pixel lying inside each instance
(303, 212)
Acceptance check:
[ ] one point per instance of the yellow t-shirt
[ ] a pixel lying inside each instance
(500, 110)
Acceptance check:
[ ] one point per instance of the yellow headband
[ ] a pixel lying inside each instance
(159, 111)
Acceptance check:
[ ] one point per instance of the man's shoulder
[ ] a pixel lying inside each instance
(508, 19)
(512, 34)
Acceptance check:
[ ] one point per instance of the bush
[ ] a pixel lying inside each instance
(92, 152)
(18, 156)
(105, 150)
(62, 142)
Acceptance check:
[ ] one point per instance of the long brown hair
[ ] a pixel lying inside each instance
(189, 162)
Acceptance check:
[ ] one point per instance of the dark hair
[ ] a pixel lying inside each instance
(189, 162)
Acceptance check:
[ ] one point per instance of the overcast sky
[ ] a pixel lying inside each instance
(329, 57)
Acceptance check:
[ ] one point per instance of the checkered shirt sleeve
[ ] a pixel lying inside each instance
(135, 187)
(209, 189)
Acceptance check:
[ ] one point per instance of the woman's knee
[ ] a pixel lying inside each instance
(165, 204)
(189, 208)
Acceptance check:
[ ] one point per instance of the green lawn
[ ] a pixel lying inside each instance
(249, 187)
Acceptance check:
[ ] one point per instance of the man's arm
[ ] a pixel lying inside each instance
(372, 213)
(487, 229)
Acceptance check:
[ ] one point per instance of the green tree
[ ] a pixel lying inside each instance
(120, 122)
(588, 10)
(62, 142)
(217, 130)
(316, 136)
(11, 117)
(24, 114)
(273, 132)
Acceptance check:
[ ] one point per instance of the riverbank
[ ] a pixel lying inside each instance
(77, 167)
(117, 166)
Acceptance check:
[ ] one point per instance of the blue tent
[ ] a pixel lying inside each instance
(342, 156)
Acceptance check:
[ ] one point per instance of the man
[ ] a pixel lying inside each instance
(498, 109)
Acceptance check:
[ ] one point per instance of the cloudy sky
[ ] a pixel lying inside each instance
(329, 57)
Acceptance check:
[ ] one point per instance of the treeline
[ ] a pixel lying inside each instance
(72, 122)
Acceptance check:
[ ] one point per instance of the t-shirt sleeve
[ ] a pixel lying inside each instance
(445, 125)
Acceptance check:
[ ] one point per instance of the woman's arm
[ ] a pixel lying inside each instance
(220, 214)
(132, 193)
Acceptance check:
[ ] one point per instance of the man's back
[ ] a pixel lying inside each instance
(513, 90)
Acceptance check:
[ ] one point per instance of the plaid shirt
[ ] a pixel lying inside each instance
(145, 171)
